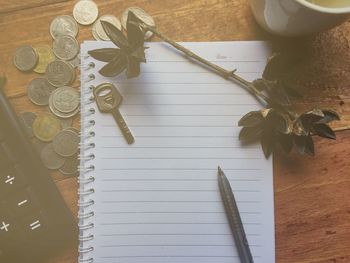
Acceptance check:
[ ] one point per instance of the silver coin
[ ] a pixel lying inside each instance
(66, 123)
(75, 130)
(140, 14)
(50, 158)
(75, 62)
(66, 99)
(108, 18)
(74, 75)
(28, 119)
(39, 91)
(61, 114)
(65, 47)
(94, 33)
(26, 58)
(59, 73)
(70, 166)
(63, 25)
(66, 143)
(85, 12)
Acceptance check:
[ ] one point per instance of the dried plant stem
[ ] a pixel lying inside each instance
(227, 74)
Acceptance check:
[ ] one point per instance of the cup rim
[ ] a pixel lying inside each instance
(330, 10)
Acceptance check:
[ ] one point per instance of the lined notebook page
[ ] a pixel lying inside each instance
(157, 201)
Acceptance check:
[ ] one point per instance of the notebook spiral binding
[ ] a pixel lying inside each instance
(87, 168)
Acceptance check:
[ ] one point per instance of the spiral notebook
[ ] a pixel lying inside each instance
(157, 201)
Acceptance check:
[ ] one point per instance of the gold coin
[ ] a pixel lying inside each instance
(46, 56)
(46, 127)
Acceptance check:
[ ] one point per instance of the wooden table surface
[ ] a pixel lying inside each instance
(312, 206)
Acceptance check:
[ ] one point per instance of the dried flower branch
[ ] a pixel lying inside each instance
(277, 125)
(129, 54)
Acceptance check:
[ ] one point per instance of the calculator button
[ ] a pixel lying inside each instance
(21, 202)
(10, 233)
(6, 156)
(34, 225)
(11, 180)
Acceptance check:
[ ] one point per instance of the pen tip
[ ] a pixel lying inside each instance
(220, 172)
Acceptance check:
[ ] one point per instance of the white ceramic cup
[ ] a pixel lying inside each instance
(296, 17)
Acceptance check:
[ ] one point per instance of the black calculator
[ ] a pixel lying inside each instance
(35, 222)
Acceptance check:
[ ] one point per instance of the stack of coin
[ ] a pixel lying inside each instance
(64, 102)
(66, 145)
(60, 73)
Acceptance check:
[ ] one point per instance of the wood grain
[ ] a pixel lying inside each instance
(311, 194)
(311, 204)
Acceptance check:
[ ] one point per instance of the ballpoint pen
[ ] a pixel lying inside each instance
(234, 218)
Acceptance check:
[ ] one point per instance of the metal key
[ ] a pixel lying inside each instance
(108, 100)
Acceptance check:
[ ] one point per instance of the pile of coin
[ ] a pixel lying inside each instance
(56, 141)
(64, 102)
(52, 132)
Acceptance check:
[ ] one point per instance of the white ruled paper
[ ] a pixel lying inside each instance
(158, 201)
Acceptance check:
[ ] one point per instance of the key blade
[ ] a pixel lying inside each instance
(107, 97)
(123, 127)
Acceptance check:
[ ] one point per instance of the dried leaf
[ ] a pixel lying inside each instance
(300, 143)
(262, 84)
(115, 35)
(250, 134)
(265, 112)
(309, 118)
(278, 94)
(286, 142)
(251, 119)
(309, 146)
(316, 113)
(133, 69)
(323, 130)
(134, 32)
(278, 122)
(104, 54)
(139, 54)
(298, 128)
(267, 142)
(304, 144)
(115, 67)
(329, 116)
(279, 64)
(290, 90)
(273, 66)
